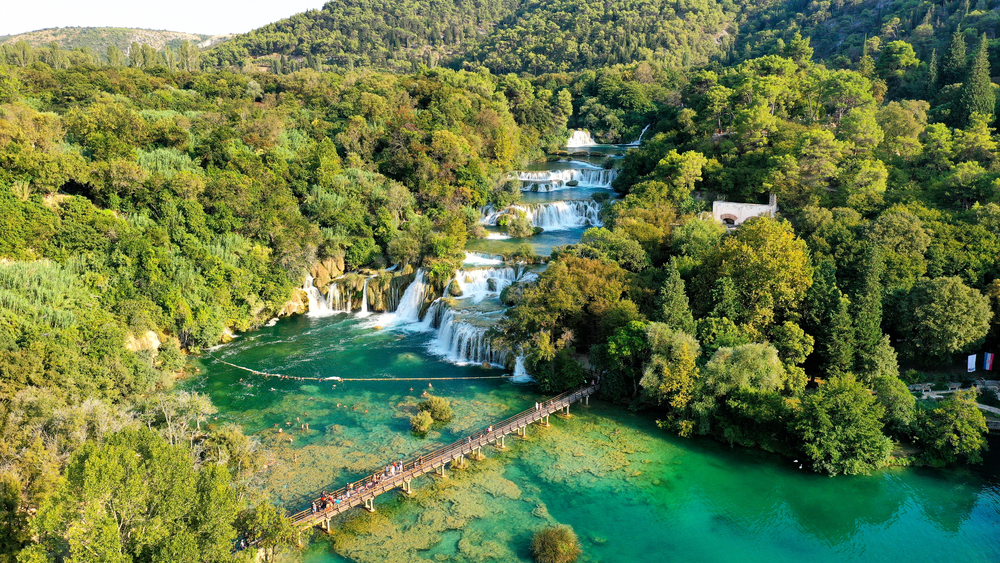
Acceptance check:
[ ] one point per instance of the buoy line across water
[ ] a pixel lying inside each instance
(335, 378)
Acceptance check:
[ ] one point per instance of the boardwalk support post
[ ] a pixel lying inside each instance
(500, 444)
(370, 505)
(586, 400)
(408, 487)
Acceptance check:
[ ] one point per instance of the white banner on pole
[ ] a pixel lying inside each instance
(972, 363)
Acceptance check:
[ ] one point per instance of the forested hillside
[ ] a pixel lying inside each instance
(97, 39)
(840, 29)
(505, 36)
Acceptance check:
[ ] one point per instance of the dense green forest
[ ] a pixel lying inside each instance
(536, 37)
(149, 203)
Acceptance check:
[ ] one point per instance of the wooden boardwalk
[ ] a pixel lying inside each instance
(364, 491)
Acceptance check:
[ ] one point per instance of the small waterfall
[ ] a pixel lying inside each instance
(413, 298)
(580, 138)
(482, 259)
(553, 180)
(364, 300)
(559, 215)
(318, 306)
(520, 373)
(333, 296)
(483, 282)
(638, 141)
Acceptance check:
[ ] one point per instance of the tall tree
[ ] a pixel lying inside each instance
(954, 63)
(672, 305)
(115, 57)
(977, 94)
(866, 310)
(931, 82)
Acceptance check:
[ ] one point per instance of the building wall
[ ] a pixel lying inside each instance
(733, 213)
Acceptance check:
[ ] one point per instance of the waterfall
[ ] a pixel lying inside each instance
(413, 298)
(559, 215)
(638, 141)
(580, 138)
(520, 373)
(480, 283)
(333, 296)
(481, 259)
(462, 342)
(552, 180)
(317, 305)
(364, 300)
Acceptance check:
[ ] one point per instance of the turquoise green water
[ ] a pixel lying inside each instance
(631, 491)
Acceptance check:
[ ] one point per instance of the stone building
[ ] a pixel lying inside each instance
(732, 214)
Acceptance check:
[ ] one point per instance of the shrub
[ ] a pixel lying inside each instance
(519, 225)
(556, 544)
(437, 407)
(421, 422)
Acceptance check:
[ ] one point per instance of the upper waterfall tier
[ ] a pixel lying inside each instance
(580, 138)
(551, 180)
(554, 216)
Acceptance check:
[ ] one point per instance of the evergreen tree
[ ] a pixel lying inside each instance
(821, 297)
(837, 350)
(115, 57)
(977, 94)
(866, 310)
(673, 305)
(724, 300)
(932, 75)
(953, 65)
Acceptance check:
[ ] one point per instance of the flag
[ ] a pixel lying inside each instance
(988, 361)
(972, 363)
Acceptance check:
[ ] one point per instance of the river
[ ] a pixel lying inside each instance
(632, 492)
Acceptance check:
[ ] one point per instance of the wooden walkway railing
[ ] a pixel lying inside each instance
(364, 491)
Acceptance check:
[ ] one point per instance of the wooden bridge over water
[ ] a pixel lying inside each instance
(364, 491)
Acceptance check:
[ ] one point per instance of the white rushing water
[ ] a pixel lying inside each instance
(480, 259)
(638, 141)
(580, 138)
(318, 306)
(364, 300)
(520, 373)
(552, 180)
(480, 283)
(462, 322)
(555, 216)
(412, 300)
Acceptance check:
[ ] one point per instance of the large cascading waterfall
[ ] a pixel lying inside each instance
(318, 306)
(463, 321)
(465, 342)
(553, 216)
(580, 138)
(553, 180)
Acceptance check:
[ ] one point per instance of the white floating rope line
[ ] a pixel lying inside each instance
(335, 378)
